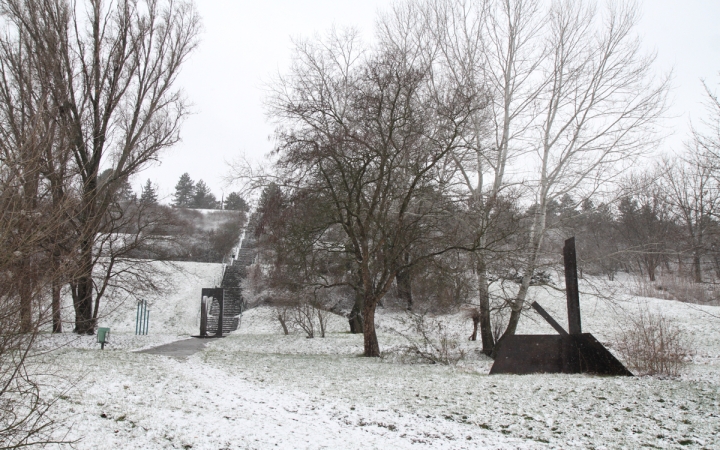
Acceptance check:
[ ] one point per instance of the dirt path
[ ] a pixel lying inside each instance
(179, 349)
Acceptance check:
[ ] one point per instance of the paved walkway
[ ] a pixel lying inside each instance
(179, 349)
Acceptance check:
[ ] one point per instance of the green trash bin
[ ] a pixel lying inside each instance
(103, 336)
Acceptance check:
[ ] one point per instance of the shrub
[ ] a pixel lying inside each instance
(651, 344)
(303, 315)
(677, 288)
(429, 341)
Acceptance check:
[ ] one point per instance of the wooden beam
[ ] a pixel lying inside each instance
(571, 287)
(545, 315)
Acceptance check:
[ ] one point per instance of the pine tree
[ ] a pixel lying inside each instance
(122, 187)
(270, 206)
(184, 192)
(126, 193)
(235, 202)
(149, 194)
(203, 198)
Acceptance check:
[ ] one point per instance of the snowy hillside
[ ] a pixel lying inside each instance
(174, 311)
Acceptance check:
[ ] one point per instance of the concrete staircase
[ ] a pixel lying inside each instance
(232, 292)
(246, 254)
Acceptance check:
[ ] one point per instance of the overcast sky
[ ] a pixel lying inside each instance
(245, 43)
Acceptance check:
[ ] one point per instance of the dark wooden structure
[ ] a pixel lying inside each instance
(211, 294)
(566, 352)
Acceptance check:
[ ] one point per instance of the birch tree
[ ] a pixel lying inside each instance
(596, 113)
(494, 44)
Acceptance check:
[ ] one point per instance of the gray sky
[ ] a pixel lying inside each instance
(245, 43)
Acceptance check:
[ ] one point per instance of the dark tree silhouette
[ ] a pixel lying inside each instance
(149, 194)
(184, 191)
(202, 197)
(235, 202)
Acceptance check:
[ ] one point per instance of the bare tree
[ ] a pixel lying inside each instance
(596, 111)
(707, 138)
(366, 134)
(34, 154)
(493, 43)
(693, 195)
(303, 316)
(572, 97)
(28, 225)
(113, 66)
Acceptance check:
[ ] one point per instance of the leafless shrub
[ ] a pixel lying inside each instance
(651, 344)
(283, 316)
(474, 315)
(302, 315)
(499, 321)
(24, 405)
(26, 277)
(322, 315)
(677, 288)
(429, 341)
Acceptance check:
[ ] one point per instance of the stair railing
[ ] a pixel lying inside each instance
(222, 274)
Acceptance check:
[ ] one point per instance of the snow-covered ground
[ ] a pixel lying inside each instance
(260, 389)
(173, 311)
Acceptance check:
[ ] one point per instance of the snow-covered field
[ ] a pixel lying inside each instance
(260, 389)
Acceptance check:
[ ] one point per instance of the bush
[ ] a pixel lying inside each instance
(651, 344)
(429, 341)
(302, 315)
(677, 288)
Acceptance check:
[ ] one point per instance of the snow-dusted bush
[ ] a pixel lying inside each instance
(303, 315)
(652, 344)
(429, 340)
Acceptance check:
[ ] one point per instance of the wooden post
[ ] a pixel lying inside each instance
(219, 296)
(571, 287)
(203, 317)
(540, 310)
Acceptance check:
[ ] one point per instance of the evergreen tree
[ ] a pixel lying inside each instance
(126, 192)
(272, 202)
(184, 192)
(149, 194)
(203, 198)
(235, 202)
(123, 191)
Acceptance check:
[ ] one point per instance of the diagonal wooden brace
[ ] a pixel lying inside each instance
(545, 315)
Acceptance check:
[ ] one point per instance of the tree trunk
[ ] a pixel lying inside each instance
(56, 308)
(356, 315)
(25, 289)
(321, 321)
(488, 342)
(84, 323)
(476, 321)
(283, 323)
(515, 313)
(372, 347)
(651, 271)
(404, 288)
(697, 267)
(535, 239)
